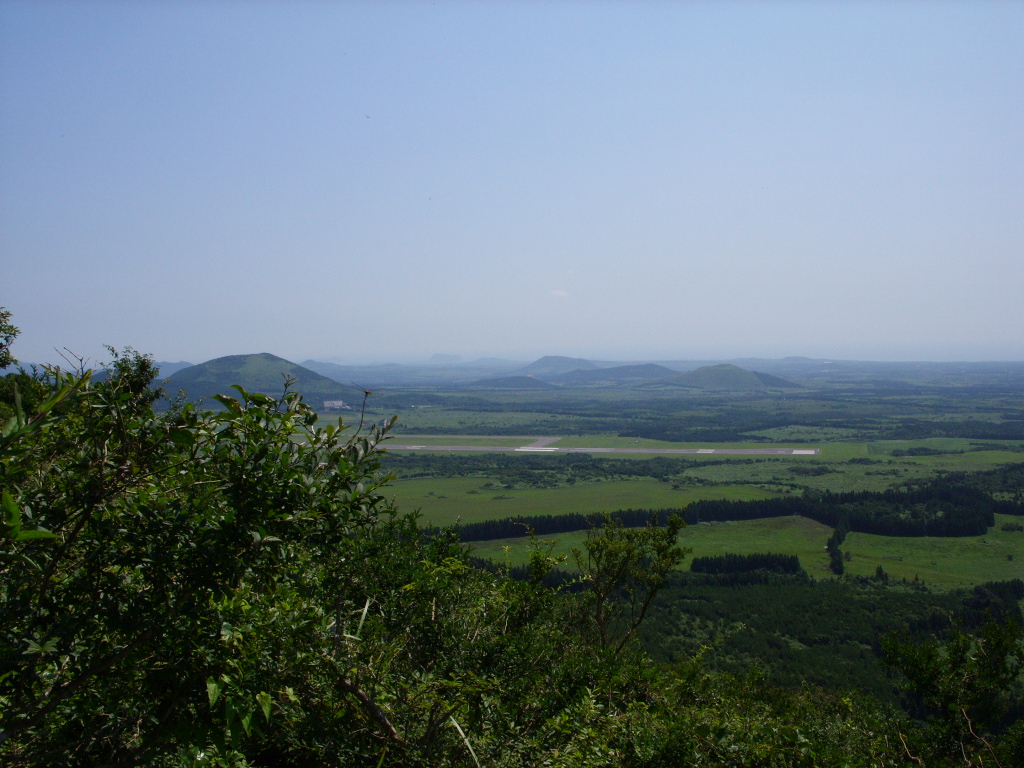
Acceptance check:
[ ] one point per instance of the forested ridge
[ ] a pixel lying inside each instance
(233, 588)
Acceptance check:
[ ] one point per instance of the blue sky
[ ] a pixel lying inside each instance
(385, 181)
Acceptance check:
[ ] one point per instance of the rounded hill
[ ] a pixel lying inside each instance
(262, 372)
(726, 378)
(556, 365)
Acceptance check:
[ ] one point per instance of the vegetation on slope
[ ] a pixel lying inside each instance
(613, 376)
(263, 373)
(555, 365)
(200, 588)
(511, 382)
(726, 377)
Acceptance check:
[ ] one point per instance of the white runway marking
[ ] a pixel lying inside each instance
(541, 446)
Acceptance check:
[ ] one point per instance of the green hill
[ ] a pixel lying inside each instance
(620, 374)
(726, 378)
(555, 365)
(261, 372)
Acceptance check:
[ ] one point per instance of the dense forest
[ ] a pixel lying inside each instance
(233, 588)
(766, 561)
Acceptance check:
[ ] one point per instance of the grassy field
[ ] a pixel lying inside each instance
(854, 425)
(785, 535)
(829, 472)
(495, 441)
(445, 501)
(942, 563)
(425, 420)
(840, 467)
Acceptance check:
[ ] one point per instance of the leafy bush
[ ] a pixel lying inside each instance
(233, 588)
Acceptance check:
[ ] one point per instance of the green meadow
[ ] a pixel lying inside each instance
(784, 535)
(447, 501)
(942, 563)
(875, 428)
(489, 441)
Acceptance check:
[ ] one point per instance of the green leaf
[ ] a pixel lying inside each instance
(12, 512)
(246, 721)
(36, 534)
(36, 648)
(229, 402)
(213, 689)
(264, 701)
(183, 438)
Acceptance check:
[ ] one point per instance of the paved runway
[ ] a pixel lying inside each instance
(544, 445)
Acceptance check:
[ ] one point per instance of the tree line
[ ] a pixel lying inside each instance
(943, 507)
(938, 508)
(524, 470)
(758, 561)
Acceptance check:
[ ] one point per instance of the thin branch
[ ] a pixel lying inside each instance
(984, 741)
(906, 749)
(372, 708)
(366, 396)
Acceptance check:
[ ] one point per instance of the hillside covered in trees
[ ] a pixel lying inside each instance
(232, 588)
(263, 373)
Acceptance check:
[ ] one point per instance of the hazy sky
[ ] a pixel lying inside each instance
(618, 180)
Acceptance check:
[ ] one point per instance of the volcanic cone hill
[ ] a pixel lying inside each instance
(726, 378)
(263, 372)
(555, 365)
(620, 374)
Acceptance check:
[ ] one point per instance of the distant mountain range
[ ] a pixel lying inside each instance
(393, 374)
(266, 373)
(547, 373)
(320, 381)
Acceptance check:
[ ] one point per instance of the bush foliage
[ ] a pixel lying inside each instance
(233, 588)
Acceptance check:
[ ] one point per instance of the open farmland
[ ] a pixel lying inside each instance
(788, 535)
(578, 451)
(447, 501)
(941, 563)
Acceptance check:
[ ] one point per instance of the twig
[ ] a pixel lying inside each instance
(906, 749)
(984, 741)
(366, 396)
(372, 708)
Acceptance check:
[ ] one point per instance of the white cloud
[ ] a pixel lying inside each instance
(559, 294)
